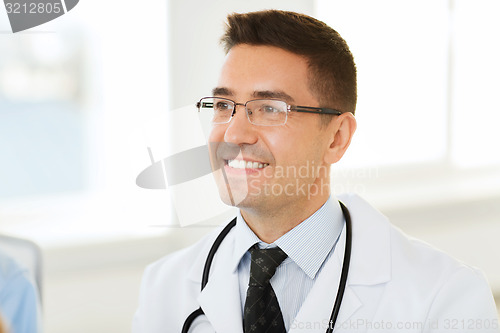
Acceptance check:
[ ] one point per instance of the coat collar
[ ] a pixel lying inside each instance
(371, 249)
(370, 265)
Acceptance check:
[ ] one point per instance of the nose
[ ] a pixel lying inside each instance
(239, 130)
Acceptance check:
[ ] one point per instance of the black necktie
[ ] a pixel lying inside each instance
(262, 311)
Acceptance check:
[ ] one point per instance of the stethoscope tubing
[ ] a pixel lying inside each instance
(343, 279)
(345, 268)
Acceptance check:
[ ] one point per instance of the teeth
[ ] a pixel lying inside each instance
(241, 164)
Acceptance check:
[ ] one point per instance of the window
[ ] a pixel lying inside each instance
(428, 78)
(72, 93)
(42, 113)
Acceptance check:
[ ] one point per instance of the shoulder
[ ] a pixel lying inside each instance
(185, 263)
(414, 257)
(406, 255)
(171, 285)
(448, 289)
(18, 296)
(425, 275)
(11, 274)
(8, 267)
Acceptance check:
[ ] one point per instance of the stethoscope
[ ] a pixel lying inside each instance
(343, 277)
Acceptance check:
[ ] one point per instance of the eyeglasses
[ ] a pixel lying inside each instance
(262, 112)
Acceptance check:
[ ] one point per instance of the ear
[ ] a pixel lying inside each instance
(341, 131)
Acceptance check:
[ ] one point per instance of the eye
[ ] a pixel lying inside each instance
(270, 109)
(222, 106)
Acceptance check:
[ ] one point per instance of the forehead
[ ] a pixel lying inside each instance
(249, 68)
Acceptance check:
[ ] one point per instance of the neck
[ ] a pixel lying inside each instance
(270, 225)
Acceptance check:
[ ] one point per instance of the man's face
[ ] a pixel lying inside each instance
(287, 157)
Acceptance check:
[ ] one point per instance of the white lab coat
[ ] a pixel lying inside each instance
(395, 284)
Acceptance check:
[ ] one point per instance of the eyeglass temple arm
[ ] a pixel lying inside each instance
(310, 109)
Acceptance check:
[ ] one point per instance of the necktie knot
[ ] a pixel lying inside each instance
(264, 264)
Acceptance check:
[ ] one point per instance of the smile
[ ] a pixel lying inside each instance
(242, 164)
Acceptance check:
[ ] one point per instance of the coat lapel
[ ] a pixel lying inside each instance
(315, 313)
(370, 266)
(220, 300)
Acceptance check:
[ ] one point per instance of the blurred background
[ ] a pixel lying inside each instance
(76, 93)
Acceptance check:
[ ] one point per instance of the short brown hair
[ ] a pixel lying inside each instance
(332, 70)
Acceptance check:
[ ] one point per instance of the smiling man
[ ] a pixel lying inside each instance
(282, 113)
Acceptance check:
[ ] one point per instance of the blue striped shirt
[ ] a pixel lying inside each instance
(308, 247)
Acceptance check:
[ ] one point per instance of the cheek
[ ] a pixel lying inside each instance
(298, 148)
(286, 149)
(214, 139)
(216, 134)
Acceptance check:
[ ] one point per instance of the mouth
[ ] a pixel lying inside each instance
(245, 164)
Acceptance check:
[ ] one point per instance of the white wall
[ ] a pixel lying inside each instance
(194, 31)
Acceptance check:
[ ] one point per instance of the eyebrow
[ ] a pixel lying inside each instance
(221, 91)
(273, 94)
(278, 94)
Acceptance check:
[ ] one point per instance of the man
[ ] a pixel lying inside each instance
(282, 113)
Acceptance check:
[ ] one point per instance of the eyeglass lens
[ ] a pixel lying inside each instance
(265, 112)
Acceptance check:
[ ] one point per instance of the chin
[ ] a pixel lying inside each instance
(231, 195)
(233, 192)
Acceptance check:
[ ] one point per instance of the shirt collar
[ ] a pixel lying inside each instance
(244, 239)
(308, 244)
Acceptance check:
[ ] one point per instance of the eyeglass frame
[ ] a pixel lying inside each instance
(289, 108)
